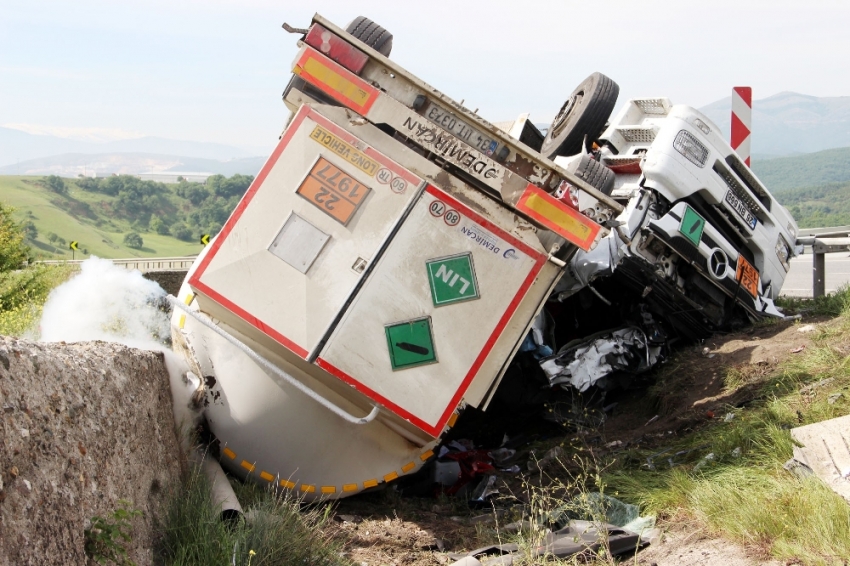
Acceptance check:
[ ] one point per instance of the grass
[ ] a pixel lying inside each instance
(743, 493)
(277, 532)
(23, 294)
(32, 201)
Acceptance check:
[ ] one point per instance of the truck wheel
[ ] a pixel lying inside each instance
(583, 114)
(371, 34)
(593, 173)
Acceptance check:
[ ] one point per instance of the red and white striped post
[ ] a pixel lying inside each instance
(742, 121)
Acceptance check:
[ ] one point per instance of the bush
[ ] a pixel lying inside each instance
(133, 240)
(13, 251)
(23, 294)
(181, 232)
(56, 184)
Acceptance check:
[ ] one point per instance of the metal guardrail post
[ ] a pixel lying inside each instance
(819, 275)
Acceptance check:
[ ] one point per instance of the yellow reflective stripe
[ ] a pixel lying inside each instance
(407, 467)
(248, 466)
(425, 455)
(453, 419)
(189, 298)
(229, 453)
(335, 81)
(390, 477)
(266, 476)
(328, 489)
(287, 484)
(308, 488)
(370, 483)
(349, 487)
(182, 321)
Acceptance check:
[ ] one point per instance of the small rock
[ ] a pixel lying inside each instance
(614, 444)
(14, 471)
(806, 329)
(25, 433)
(832, 399)
(28, 484)
(349, 518)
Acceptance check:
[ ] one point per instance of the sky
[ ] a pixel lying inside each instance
(214, 70)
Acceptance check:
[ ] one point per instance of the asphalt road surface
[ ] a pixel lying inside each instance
(798, 283)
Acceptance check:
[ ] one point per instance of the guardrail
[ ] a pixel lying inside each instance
(823, 241)
(145, 265)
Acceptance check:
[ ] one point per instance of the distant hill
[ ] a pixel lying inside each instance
(807, 170)
(789, 123)
(100, 213)
(19, 146)
(105, 164)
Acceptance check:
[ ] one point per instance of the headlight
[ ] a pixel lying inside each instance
(783, 252)
(689, 146)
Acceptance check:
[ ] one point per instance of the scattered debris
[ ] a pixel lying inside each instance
(832, 399)
(652, 420)
(812, 386)
(824, 449)
(798, 349)
(806, 329)
(705, 461)
(729, 417)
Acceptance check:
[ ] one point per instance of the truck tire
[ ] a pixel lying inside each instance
(371, 34)
(593, 173)
(583, 114)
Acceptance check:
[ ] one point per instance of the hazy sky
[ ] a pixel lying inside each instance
(214, 70)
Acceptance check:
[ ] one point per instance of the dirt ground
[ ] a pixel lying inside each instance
(691, 390)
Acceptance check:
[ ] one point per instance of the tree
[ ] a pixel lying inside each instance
(30, 231)
(52, 237)
(158, 226)
(13, 251)
(133, 240)
(181, 232)
(56, 184)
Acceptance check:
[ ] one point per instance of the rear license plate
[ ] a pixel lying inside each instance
(733, 201)
(460, 129)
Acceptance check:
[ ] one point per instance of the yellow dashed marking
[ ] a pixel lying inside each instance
(229, 453)
(328, 489)
(349, 487)
(426, 455)
(308, 488)
(266, 476)
(189, 298)
(248, 466)
(453, 419)
(390, 477)
(182, 321)
(287, 484)
(407, 467)
(370, 483)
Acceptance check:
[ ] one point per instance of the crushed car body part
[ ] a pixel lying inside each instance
(378, 276)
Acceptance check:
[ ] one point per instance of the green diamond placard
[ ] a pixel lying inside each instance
(411, 343)
(452, 279)
(692, 225)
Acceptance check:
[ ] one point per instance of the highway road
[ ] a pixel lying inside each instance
(798, 283)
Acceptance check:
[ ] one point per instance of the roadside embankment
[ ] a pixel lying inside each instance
(84, 427)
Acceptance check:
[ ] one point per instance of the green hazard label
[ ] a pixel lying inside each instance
(452, 279)
(411, 343)
(692, 225)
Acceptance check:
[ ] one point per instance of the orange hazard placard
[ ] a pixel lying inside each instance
(333, 191)
(748, 276)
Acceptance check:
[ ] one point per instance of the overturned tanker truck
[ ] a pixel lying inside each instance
(377, 277)
(397, 251)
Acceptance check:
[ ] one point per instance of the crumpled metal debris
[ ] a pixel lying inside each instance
(586, 363)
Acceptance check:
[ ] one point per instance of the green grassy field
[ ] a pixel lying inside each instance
(93, 228)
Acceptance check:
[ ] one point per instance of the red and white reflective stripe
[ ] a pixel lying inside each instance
(742, 121)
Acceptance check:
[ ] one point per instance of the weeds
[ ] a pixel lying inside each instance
(275, 532)
(744, 493)
(105, 540)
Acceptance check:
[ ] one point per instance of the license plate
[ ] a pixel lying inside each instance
(733, 201)
(462, 130)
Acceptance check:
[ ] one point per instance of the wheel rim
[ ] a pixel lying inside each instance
(561, 119)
